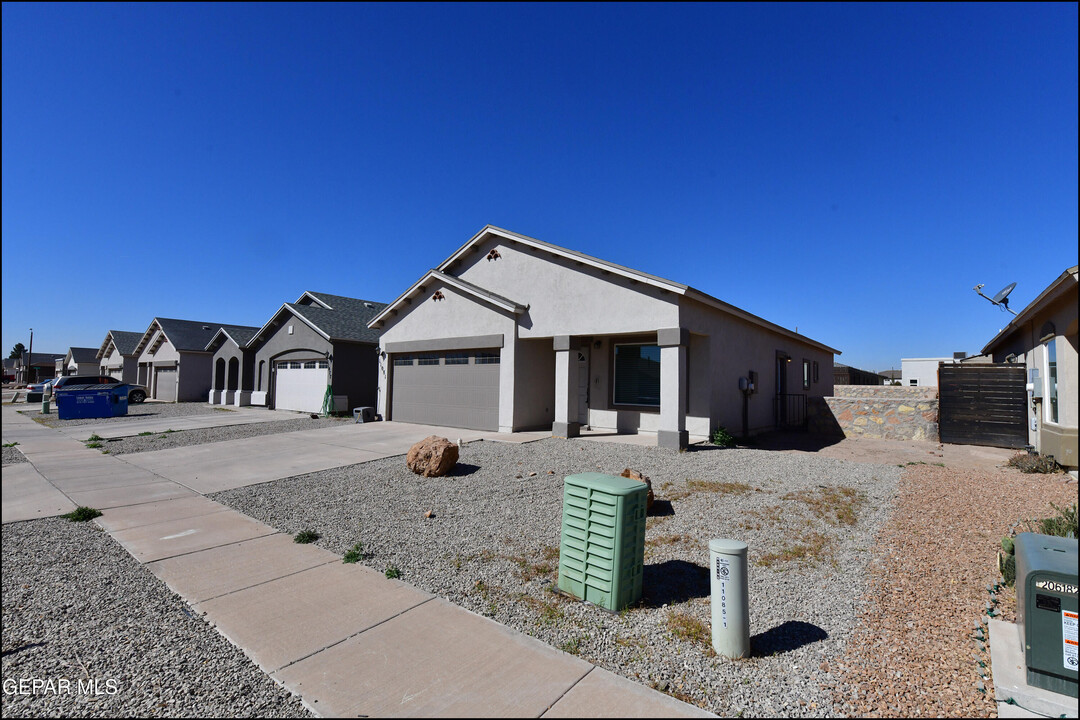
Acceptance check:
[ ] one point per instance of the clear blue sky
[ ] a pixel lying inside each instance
(850, 170)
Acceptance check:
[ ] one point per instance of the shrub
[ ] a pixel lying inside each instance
(1033, 463)
(722, 438)
(392, 572)
(82, 514)
(306, 536)
(1061, 525)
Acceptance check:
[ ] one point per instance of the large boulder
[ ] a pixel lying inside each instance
(432, 457)
(635, 475)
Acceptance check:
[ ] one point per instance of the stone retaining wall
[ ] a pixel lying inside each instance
(877, 411)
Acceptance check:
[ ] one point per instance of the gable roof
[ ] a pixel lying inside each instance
(81, 355)
(184, 335)
(1054, 290)
(655, 281)
(335, 317)
(41, 358)
(242, 335)
(124, 341)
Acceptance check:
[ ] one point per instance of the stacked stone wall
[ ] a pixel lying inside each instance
(877, 411)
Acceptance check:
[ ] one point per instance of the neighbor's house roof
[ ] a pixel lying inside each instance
(334, 317)
(81, 355)
(124, 341)
(1065, 282)
(242, 335)
(892, 374)
(184, 335)
(441, 273)
(44, 358)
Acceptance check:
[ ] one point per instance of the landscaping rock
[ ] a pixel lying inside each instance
(634, 475)
(432, 457)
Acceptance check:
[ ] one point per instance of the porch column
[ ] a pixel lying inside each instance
(673, 343)
(565, 390)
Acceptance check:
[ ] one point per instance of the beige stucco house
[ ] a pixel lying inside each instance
(511, 333)
(1043, 336)
(117, 357)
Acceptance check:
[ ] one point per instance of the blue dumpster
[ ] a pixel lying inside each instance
(75, 402)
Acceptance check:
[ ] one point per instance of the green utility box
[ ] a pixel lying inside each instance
(602, 550)
(1046, 610)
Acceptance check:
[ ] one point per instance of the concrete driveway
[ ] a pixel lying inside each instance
(235, 463)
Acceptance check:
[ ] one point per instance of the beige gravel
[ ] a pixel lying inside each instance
(914, 654)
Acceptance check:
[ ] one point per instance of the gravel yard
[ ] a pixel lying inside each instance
(914, 653)
(12, 455)
(183, 438)
(77, 607)
(492, 547)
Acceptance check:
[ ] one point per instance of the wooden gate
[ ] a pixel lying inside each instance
(983, 405)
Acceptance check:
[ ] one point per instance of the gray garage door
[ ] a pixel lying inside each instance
(165, 383)
(455, 389)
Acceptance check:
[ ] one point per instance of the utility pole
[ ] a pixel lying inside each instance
(29, 357)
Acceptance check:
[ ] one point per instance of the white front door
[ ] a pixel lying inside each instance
(300, 385)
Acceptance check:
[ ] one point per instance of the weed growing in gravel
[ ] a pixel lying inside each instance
(572, 646)
(354, 554)
(144, 434)
(82, 514)
(306, 536)
(10, 444)
(529, 570)
(713, 486)
(93, 445)
(722, 437)
(834, 505)
(689, 628)
(812, 549)
(549, 613)
(392, 572)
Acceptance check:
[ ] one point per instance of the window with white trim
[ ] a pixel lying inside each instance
(637, 375)
(1051, 381)
(309, 365)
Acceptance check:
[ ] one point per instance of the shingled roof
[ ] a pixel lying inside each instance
(242, 335)
(125, 341)
(82, 355)
(335, 317)
(185, 335)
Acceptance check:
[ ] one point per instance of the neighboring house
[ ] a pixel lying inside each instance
(80, 361)
(892, 376)
(847, 375)
(9, 370)
(511, 333)
(1043, 336)
(923, 372)
(321, 341)
(173, 363)
(36, 367)
(117, 356)
(233, 365)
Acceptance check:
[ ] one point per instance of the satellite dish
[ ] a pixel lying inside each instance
(1001, 299)
(1003, 295)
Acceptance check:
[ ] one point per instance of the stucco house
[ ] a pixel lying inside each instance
(1043, 336)
(80, 361)
(117, 357)
(173, 362)
(320, 341)
(234, 361)
(511, 333)
(35, 367)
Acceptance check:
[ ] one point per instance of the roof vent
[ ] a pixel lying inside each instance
(368, 305)
(205, 327)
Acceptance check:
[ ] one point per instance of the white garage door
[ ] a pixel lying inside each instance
(456, 389)
(300, 385)
(165, 384)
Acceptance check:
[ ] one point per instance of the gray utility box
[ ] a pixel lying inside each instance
(1046, 610)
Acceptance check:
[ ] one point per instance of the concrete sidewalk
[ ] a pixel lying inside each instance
(344, 638)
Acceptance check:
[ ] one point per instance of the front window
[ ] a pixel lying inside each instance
(637, 375)
(805, 374)
(1051, 381)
